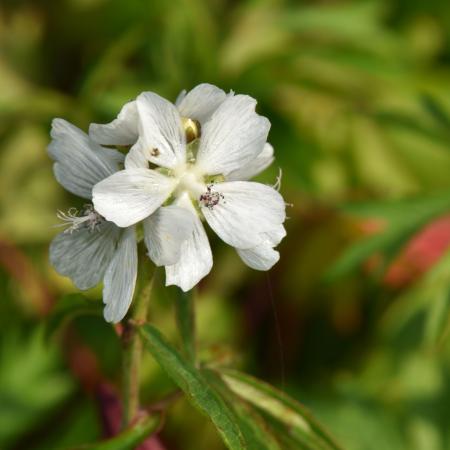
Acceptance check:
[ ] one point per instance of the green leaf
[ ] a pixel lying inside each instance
(129, 438)
(257, 432)
(299, 423)
(403, 217)
(184, 310)
(195, 386)
(362, 250)
(70, 307)
(429, 298)
(438, 317)
(394, 210)
(404, 121)
(436, 110)
(32, 382)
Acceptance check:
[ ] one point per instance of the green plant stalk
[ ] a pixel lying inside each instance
(132, 352)
(185, 316)
(129, 438)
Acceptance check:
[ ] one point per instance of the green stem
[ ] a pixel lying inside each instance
(185, 315)
(132, 353)
(129, 438)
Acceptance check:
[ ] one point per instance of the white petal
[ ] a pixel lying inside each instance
(195, 255)
(254, 167)
(162, 139)
(276, 235)
(246, 210)
(121, 131)
(131, 195)
(234, 136)
(180, 97)
(136, 158)
(201, 102)
(80, 162)
(165, 231)
(120, 278)
(263, 256)
(84, 255)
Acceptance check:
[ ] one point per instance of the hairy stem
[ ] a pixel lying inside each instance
(132, 353)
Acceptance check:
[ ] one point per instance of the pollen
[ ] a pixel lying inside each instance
(210, 198)
(191, 128)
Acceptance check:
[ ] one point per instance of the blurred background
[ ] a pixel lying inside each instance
(353, 321)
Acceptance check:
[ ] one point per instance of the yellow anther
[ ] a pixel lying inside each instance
(192, 129)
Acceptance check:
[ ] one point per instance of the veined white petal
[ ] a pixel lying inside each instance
(195, 254)
(84, 255)
(263, 256)
(79, 162)
(254, 167)
(131, 195)
(246, 210)
(136, 158)
(234, 136)
(120, 278)
(165, 231)
(162, 139)
(201, 102)
(121, 131)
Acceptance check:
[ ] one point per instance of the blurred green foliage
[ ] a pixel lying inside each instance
(358, 93)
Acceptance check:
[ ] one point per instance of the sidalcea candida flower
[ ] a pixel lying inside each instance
(195, 107)
(197, 156)
(92, 249)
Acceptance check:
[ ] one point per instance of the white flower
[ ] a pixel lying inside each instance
(198, 105)
(199, 154)
(91, 249)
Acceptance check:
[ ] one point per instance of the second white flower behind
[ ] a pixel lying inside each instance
(200, 163)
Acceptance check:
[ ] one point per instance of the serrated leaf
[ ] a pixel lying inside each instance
(68, 308)
(199, 392)
(130, 438)
(299, 423)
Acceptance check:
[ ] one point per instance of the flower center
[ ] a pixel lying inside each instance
(189, 180)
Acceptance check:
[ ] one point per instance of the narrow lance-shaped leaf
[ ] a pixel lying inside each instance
(184, 305)
(437, 321)
(299, 422)
(430, 297)
(436, 109)
(393, 210)
(199, 392)
(403, 219)
(257, 432)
